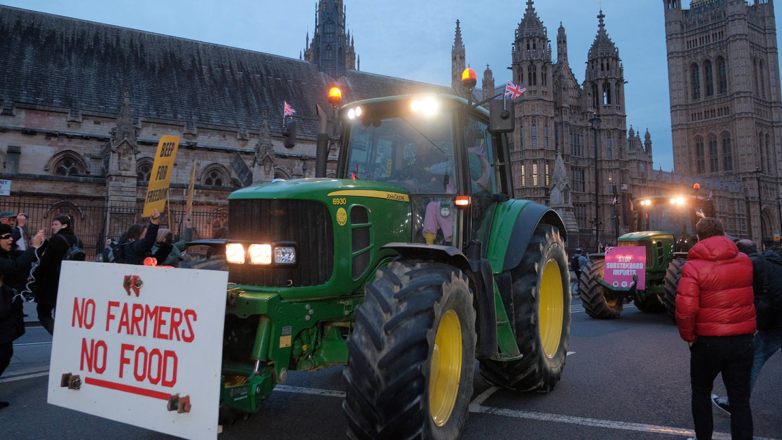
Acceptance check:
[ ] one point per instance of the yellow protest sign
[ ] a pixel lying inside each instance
(159, 180)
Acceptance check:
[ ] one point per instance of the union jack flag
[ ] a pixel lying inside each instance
(513, 91)
(289, 111)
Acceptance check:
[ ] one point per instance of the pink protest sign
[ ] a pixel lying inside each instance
(624, 262)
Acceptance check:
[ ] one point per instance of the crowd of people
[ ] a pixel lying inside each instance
(30, 266)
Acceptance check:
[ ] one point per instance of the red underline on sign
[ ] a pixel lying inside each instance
(127, 388)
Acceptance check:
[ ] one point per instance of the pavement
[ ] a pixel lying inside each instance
(33, 350)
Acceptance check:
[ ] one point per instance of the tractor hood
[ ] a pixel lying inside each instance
(646, 235)
(320, 188)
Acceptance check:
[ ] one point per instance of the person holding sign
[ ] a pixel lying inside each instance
(139, 240)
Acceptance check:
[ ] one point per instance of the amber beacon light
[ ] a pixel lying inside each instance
(469, 78)
(335, 96)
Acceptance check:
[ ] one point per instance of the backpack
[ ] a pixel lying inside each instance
(575, 263)
(117, 253)
(75, 251)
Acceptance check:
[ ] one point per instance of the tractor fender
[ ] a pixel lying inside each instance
(480, 274)
(528, 215)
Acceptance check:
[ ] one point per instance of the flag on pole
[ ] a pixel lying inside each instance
(289, 111)
(190, 191)
(513, 91)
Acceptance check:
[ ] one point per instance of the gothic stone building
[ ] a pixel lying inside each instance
(726, 108)
(83, 105)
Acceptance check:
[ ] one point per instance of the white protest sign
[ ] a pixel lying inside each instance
(5, 187)
(136, 336)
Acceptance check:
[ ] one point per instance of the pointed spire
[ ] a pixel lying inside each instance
(602, 46)
(457, 41)
(299, 55)
(264, 145)
(359, 62)
(531, 25)
(124, 130)
(602, 24)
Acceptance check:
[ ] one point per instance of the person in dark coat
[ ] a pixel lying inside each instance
(47, 274)
(138, 240)
(12, 275)
(767, 286)
(716, 316)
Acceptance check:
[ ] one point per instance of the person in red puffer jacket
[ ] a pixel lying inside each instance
(716, 316)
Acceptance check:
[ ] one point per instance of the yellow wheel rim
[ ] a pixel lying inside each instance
(611, 302)
(551, 308)
(446, 370)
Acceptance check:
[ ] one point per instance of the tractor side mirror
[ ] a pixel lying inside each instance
(501, 117)
(290, 134)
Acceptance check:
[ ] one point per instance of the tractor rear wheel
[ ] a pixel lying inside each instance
(650, 304)
(541, 300)
(672, 277)
(593, 294)
(411, 356)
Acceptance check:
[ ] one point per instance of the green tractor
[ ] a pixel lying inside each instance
(407, 267)
(666, 228)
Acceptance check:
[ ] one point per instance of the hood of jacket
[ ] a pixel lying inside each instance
(772, 256)
(714, 248)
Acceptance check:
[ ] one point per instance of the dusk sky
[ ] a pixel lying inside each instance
(412, 38)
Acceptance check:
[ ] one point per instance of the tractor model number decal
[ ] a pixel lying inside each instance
(394, 196)
(342, 216)
(339, 201)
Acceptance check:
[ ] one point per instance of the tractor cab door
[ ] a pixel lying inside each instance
(482, 150)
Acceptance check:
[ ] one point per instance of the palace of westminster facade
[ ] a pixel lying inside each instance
(82, 105)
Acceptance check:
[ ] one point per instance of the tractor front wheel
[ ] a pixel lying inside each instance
(595, 298)
(650, 304)
(411, 356)
(541, 302)
(672, 276)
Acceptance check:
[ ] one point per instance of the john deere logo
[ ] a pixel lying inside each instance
(342, 216)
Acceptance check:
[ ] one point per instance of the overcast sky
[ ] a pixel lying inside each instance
(413, 38)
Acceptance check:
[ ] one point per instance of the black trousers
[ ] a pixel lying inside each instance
(6, 353)
(45, 316)
(732, 356)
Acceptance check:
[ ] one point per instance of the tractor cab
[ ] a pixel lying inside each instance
(437, 151)
(673, 217)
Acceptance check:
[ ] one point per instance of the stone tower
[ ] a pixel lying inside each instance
(458, 62)
(488, 84)
(332, 48)
(726, 108)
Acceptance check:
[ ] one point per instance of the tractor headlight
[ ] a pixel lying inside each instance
(260, 254)
(285, 255)
(234, 253)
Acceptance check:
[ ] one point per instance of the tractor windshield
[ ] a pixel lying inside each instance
(412, 151)
(676, 219)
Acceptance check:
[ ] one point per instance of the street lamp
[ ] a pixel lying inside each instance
(595, 121)
(758, 171)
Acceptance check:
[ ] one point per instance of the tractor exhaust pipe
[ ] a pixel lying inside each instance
(322, 147)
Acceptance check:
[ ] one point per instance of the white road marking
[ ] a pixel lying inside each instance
(571, 352)
(483, 396)
(475, 407)
(27, 344)
(313, 391)
(23, 377)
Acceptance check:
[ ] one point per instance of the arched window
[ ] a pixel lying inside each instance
(714, 159)
(532, 75)
(727, 153)
(606, 94)
(769, 154)
(535, 173)
(216, 175)
(722, 75)
(594, 96)
(521, 75)
(699, 155)
(521, 138)
(609, 149)
(534, 136)
(762, 80)
(709, 78)
(616, 95)
(523, 175)
(329, 52)
(755, 73)
(143, 171)
(695, 74)
(67, 166)
(543, 76)
(545, 137)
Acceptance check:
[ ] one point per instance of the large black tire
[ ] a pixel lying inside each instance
(593, 294)
(392, 390)
(672, 277)
(650, 304)
(543, 338)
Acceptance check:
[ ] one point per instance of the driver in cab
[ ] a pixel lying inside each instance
(428, 165)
